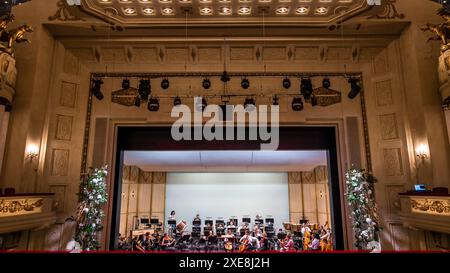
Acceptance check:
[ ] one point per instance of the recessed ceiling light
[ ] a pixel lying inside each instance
(165, 1)
(206, 11)
(148, 11)
(321, 10)
(244, 10)
(129, 11)
(225, 11)
(302, 10)
(185, 1)
(167, 11)
(282, 10)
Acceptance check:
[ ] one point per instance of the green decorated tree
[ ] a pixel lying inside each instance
(92, 197)
(361, 199)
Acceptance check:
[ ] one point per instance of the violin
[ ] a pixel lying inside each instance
(228, 246)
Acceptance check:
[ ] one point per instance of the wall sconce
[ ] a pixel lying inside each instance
(422, 152)
(32, 152)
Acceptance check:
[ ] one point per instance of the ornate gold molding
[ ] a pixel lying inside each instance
(15, 207)
(9, 37)
(431, 206)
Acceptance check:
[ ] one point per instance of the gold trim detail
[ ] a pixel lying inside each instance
(19, 206)
(430, 206)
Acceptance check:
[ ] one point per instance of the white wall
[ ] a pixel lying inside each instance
(227, 194)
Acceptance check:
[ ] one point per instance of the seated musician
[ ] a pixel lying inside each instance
(288, 243)
(305, 229)
(315, 244)
(166, 241)
(257, 232)
(264, 243)
(139, 243)
(246, 241)
(254, 242)
(243, 226)
(146, 241)
(231, 224)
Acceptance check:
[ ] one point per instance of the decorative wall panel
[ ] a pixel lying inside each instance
(388, 126)
(60, 162)
(63, 127)
(68, 95)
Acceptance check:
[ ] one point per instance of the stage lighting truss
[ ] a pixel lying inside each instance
(306, 94)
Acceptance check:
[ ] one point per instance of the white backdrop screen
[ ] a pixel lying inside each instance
(227, 194)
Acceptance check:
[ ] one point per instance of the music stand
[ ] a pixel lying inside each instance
(246, 220)
(197, 222)
(210, 222)
(154, 221)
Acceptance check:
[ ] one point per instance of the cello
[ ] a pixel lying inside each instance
(244, 245)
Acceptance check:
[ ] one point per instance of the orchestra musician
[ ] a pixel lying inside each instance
(229, 240)
(243, 226)
(315, 244)
(166, 241)
(248, 242)
(287, 244)
(264, 242)
(257, 231)
(173, 226)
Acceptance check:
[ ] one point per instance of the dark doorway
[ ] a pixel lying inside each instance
(291, 138)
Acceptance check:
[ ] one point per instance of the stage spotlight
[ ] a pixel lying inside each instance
(225, 77)
(326, 83)
(275, 100)
(249, 104)
(206, 83)
(126, 84)
(165, 84)
(297, 104)
(137, 101)
(177, 101)
(313, 101)
(245, 83)
(286, 83)
(153, 104)
(144, 89)
(201, 105)
(96, 89)
(355, 88)
(306, 88)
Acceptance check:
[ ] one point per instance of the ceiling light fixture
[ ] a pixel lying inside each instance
(96, 88)
(206, 83)
(245, 83)
(306, 88)
(286, 83)
(165, 84)
(355, 88)
(297, 104)
(153, 104)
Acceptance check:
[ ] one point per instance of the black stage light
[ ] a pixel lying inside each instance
(144, 89)
(355, 88)
(126, 84)
(313, 101)
(96, 88)
(177, 101)
(201, 105)
(245, 83)
(286, 83)
(297, 104)
(225, 77)
(275, 100)
(306, 88)
(165, 84)
(206, 83)
(326, 83)
(153, 104)
(137, 101)
(249, 104)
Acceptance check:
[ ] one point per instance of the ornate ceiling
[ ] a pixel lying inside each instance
(304, 12)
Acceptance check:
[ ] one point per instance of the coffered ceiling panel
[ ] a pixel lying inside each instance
(147, 12)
